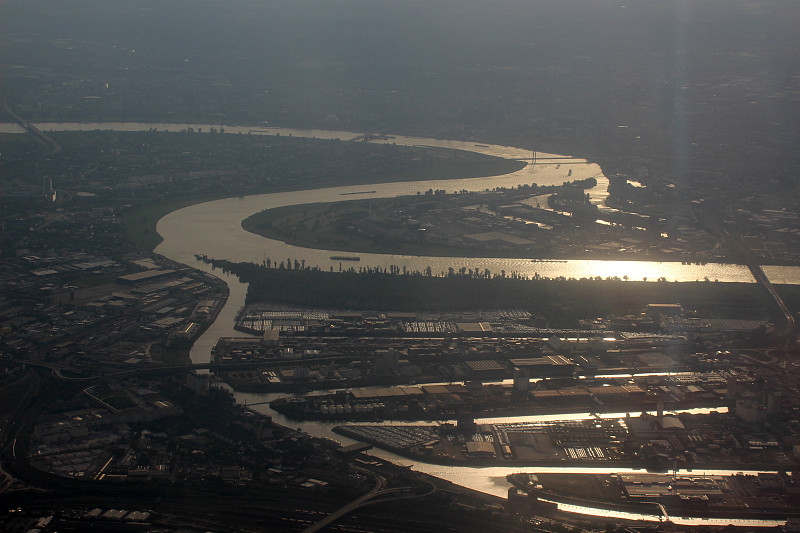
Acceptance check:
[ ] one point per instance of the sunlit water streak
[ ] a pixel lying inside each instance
(492, 479)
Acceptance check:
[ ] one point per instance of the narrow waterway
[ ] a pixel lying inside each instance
(492, 480)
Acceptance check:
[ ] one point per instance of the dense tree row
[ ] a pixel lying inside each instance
(562, 301)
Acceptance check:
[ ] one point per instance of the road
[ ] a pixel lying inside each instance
(57, 368)
(788, 330)
(380, 483)
(48, 141)
(371, 497)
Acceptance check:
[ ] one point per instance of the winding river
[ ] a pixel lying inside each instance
(214, 229)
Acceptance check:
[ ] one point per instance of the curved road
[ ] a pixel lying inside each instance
(368, 499)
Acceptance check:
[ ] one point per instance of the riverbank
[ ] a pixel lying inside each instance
(438, 224)
(139, 222)
(322, 226)
(556, 463)
(561, 301)
(678, 499)
(340, 162)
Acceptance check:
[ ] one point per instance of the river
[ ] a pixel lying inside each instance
(214, 229)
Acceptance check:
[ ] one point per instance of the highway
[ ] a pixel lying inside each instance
(371, 497)
(380, 483)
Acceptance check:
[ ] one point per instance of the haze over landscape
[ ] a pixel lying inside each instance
(399, 266)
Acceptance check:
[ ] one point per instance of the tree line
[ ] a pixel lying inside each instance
(563, 301)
